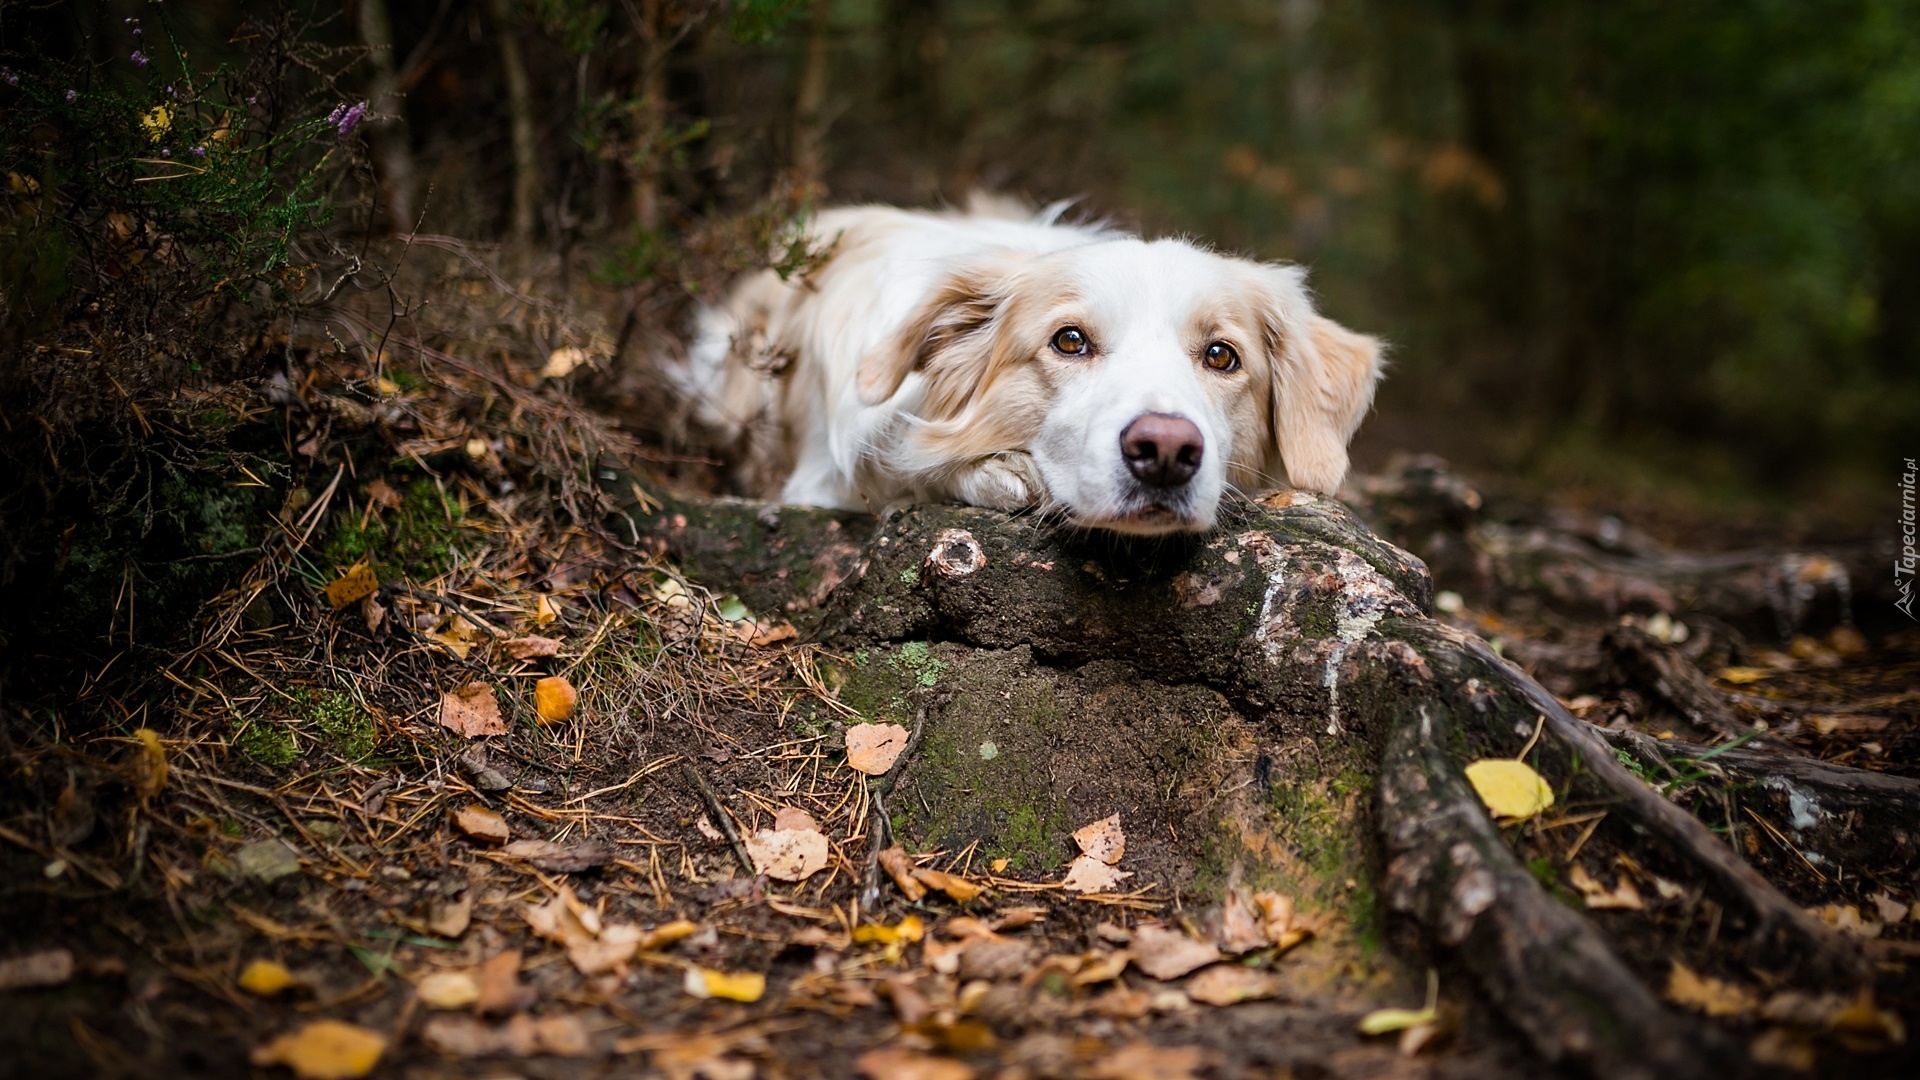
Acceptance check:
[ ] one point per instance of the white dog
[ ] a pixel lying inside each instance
(1012, 361)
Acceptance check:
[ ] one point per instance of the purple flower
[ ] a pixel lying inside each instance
(136, 31)
(10, 77)
(199, 151)
(139, 58)
(252, 100)
(73, 96)
(346, 118)
(165, 153)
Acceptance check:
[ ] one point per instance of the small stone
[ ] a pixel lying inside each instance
(267, 861)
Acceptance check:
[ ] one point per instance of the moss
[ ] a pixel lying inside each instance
(345, 728)
(266, 743)
(414, 540)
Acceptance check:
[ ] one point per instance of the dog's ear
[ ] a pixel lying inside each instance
(964, 304)
(1323, 384)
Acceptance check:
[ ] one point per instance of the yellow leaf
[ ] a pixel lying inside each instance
(744, 986)
(543, 612)
(553, 697)
(358, 583)
(325, 1050)
(156, 121)
(1706, 994)
(907, 929)
(1740, 676)
(150, 768)
(265, 978)
(1509, 788)
(448, 990)
(1382, 1021)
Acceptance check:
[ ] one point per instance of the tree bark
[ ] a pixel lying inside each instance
(524, 216)
(392, 154)
(810, 104)
(1317, 634)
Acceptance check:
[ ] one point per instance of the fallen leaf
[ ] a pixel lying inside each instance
(543, 612)
(562, 361)
(450, 918)
(265, 978)
(770, 633)
(459, 637)
(1102, 967)
(873, 748)
(561, 1034)
(667, 933)
(792, 818)
(531, 647)
(385, 494)
(150, 765)
(459, 1037)
(616, 945)
(448, 990)
(358, 583)
(1087, 874)
(996, 958)
(48, 968)
(1891, 910)
(1145, 1061)
(1783, 1049)
(324, 1050)
(481, 823)
(373, 612)
(1385, 1021)
(788, 854)
(561, 859)
(554, 697)
(1836, 1013)
(558, 920)
(1230, 984)
(1278, 921)
(1241, 927)
(500, 988)
(1740, 676)
(267, 861)
(1102, 840)
(705, 828)
(903, 1063)
(1622, 897)
(472, 711)
(907, 929)
(955, 886)
(745, 986)
(899, 867)
(1708, 995)
(1510, 788)
(1168, 954)
(1846, 919)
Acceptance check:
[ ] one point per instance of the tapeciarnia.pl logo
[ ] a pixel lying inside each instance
(1903, 566)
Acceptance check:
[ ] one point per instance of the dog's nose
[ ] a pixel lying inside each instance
(1162, 449)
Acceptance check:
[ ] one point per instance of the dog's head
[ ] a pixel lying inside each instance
(1142, 377)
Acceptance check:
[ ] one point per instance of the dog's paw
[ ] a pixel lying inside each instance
(1003, 482)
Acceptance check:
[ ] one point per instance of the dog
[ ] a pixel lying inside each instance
(1007, 359)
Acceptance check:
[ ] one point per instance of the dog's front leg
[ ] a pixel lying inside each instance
(1008, 481)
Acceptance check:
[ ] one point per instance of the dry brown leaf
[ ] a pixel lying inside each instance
(1622, 897)
(324, 1050)
(689, 1055)
(1230, 984)
(358, 583)
(1708, 995)
(616, 945)
(450, 918)
(1102, 967)
(787, 854)
(562, 1035)
(373, 612)
(531, 647)
(899, 867)
(265, 978)
(1839, 1013)
(1102, 840)
(554, 698)
(953, 885)
(482, 824)
(1089, 875)
(1241, 927)
(1783, 1049)
(1145, 1061)
(459, 1037)
(500, 988)
(1278, 921)
(902, 1063)
(769, 632)
(1168, 954)
(558, 921)
(873, 748)
(459, 637)
(472, 711)
(794, 819)
(49, 968)
(448, 990)
(559, 858)
(384, 494)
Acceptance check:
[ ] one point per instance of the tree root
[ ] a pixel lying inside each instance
(1318, 631)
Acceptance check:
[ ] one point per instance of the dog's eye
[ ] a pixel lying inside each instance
(1221, 357)
(1070, 342)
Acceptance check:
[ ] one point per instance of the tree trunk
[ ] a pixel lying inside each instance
(392, 154)
(1256, 684)
(526, 163)
(652, 121)
(810, 104)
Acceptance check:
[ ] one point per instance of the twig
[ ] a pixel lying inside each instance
(717, 812)
(879, 834)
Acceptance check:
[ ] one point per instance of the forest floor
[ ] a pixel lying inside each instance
(455, 768)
